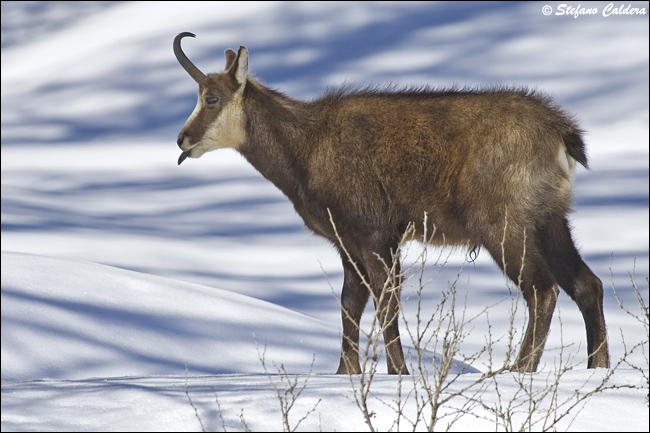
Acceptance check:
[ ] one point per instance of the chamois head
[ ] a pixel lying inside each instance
(217, 119)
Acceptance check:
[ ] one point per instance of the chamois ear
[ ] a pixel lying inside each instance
(239, 68)
(230, 57)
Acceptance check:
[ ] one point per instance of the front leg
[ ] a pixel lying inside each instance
(385, 277)
(354, 298)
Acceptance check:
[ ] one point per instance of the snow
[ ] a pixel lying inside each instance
(119, 268)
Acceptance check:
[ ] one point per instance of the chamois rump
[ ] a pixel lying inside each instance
(489, 168)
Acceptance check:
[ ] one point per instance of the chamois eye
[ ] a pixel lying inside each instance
(211, 100)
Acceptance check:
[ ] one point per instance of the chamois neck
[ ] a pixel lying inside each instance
(277, 128)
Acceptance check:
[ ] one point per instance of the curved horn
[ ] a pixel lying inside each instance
(194, 72)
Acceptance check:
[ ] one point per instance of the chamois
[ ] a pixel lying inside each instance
(491, 169)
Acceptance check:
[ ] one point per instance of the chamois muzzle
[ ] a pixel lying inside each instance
(194, 72)
(184, 155)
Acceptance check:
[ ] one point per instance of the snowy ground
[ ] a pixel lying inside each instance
(119, 267)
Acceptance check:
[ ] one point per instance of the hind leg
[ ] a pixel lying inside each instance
(541, 303)
(522, 261)
(585, 288)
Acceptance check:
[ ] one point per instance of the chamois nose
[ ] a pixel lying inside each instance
(180, 140)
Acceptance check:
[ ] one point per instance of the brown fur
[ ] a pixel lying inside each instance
(487, 167)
